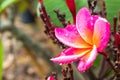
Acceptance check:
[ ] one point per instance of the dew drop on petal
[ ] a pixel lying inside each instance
(66, 35)
(91, 18)
(91, 23)
(59, 32)
(61, 64)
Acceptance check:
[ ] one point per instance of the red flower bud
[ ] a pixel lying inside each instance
(51, 78)
(41, 2)
(72, 7)
(117, 39)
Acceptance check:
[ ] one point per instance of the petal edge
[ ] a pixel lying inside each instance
(70, 37)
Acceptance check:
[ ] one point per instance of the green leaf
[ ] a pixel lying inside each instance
(97, 61)
(113, 6)
(1, 59)
(61, 5)
(6, 3)
(81, 3)
(1, 1)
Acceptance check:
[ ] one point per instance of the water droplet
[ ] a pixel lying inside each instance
(76, 32)
(66, 34)
(59, 32)
(74, 29)
(91, 23)
(61, 64)
(91, 18)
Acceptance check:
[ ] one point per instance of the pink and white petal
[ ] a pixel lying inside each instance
(87, 60)
(65, 59)
(70, 55)
(101, 33)
(70, 37)
(83, 25)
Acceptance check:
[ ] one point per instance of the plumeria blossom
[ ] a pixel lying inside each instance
(85, 39)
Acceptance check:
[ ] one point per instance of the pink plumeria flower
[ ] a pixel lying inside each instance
(89, 36)
(51, 78)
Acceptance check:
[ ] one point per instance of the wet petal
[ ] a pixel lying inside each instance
(83, 25)
(69, 55)
(70, 37)
(87, 60)
(101, 33)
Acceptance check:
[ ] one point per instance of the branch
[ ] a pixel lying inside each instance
(30, 44)
(90, 74)
(105, 69)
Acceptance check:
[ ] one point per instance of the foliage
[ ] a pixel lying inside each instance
(61, 5)
(1, 59)
(112, 6)
(6, 3)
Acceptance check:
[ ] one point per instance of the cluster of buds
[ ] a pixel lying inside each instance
(49, 30)
(68, 73)
(49, 27)
(117, 47)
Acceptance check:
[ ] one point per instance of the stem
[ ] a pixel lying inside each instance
(110, 63)
(91, 75)
(77, 74)
(115, 24)
(102, 64)
(70, 71)
(49, 27)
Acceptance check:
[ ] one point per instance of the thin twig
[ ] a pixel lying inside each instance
(91, 75)
(102, 64)
(110, 63)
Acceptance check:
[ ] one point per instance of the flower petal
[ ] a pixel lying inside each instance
(82, 23)
(101, 33)
(69, 55)
(87, 60)
(70, 37)
(85, 24)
